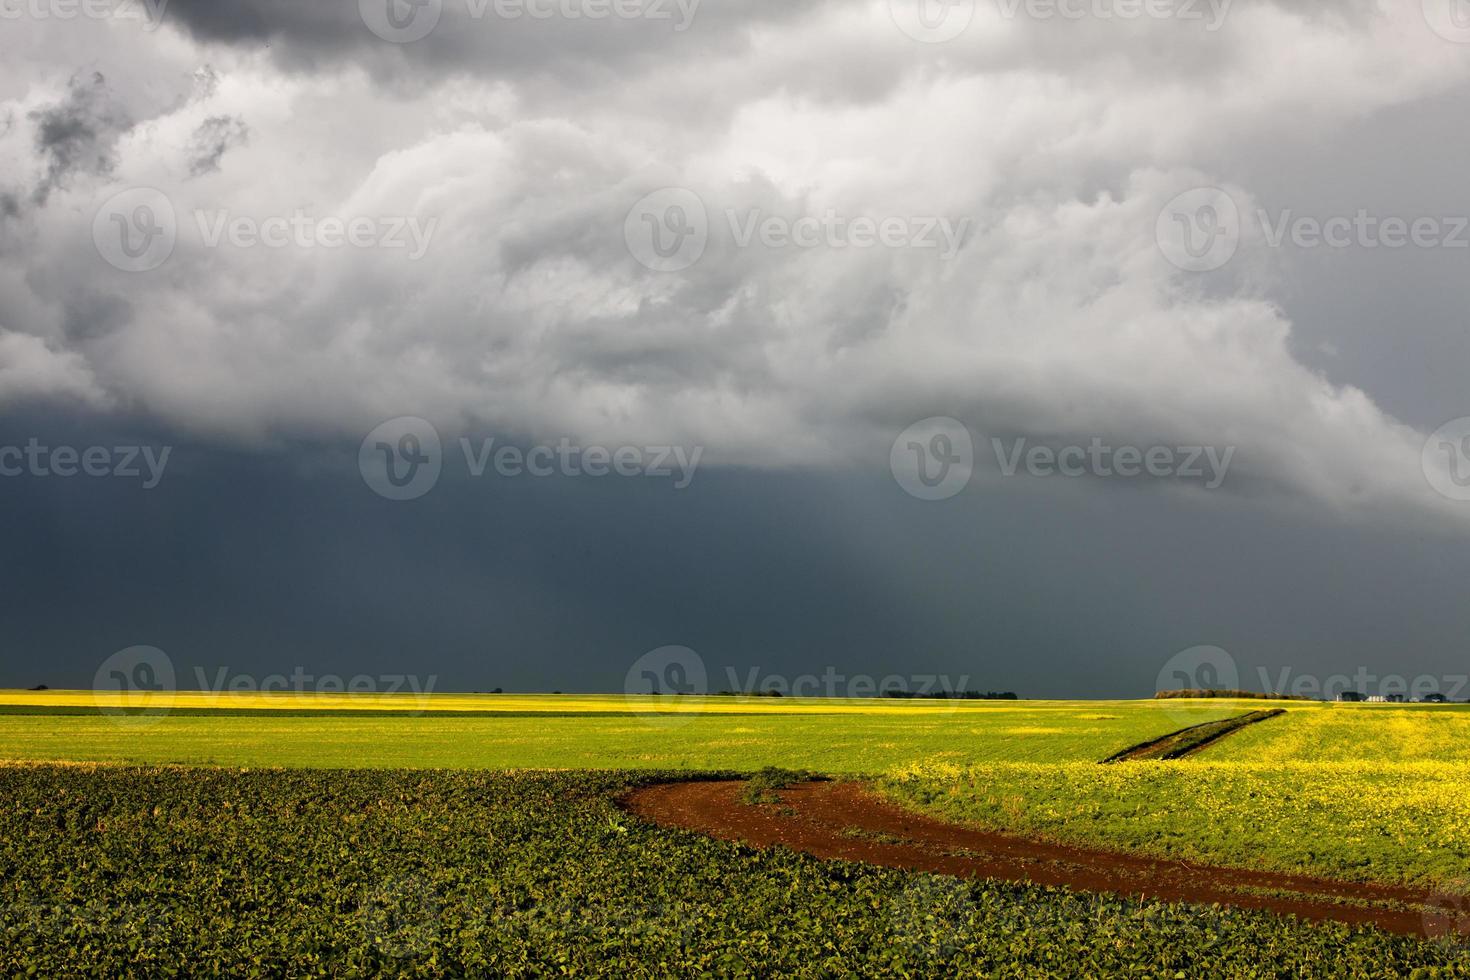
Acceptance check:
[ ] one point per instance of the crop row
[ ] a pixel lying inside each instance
(210, 872)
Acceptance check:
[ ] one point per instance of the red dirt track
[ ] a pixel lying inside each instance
(845, 821)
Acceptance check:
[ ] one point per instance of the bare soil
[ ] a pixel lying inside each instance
(839, 820)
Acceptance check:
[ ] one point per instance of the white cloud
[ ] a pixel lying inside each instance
(1058, 142)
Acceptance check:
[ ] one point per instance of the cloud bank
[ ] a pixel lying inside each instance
(527, 144)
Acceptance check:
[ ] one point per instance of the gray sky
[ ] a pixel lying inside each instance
(1085, 229)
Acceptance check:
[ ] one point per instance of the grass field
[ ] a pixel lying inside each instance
(249, 868)
(581, 732)
(1376, 792)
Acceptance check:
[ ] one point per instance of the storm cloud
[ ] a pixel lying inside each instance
(365, 223)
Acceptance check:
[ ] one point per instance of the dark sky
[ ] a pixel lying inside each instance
(265, 561)
(1049, 183)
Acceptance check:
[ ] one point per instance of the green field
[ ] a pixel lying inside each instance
(583, 732)
(314, 873)
(370, 854)
(1373, 792)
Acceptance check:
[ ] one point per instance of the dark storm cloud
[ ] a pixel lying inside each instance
(211, 140)
(265, 562)
(88, 315)
(471, 38)
(77, 134)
